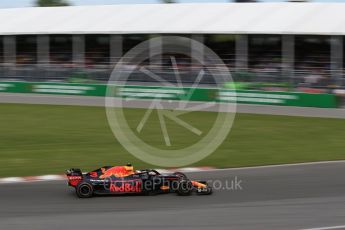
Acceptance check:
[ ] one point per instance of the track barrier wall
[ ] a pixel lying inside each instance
(176, 93)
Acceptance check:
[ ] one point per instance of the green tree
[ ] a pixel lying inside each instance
(168, 1)
(43, 3)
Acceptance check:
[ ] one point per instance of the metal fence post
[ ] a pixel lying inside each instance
(241, 50)
(336, 59)
(43, 49)
(288, 57)
(79, 50)
(116, 48)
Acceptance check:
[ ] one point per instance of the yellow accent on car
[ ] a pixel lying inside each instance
(165, 187)
(198, 184)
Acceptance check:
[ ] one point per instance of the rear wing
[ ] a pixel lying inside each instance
(74, 172)
(74, 176)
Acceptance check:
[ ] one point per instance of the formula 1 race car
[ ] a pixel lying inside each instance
(124, 180)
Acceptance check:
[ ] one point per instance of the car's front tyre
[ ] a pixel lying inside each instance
(84, 190)
(185, 188)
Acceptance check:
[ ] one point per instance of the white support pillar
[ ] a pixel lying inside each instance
(241, 52)
(337, 55)
(116, 48)
(198, 48)
(288, 55)
(78, 44)
(10, 51)
(43, 49)
(156, 47)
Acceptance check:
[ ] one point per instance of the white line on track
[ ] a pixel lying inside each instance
(325, 228)
(191, 169)
(280, 165)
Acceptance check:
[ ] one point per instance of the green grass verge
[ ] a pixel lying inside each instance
(41, 139)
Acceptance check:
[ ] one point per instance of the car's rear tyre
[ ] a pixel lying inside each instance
(185, 188)
(84, 190)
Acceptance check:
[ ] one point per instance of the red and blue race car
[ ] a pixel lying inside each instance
(125, 180)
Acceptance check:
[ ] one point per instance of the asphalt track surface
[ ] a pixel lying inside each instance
(100, 101)
(278, 197)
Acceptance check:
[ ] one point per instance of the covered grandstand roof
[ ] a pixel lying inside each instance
(220, 18)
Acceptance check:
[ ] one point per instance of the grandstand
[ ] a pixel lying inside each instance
(287, 46)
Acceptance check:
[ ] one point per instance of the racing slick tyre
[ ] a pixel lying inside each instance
(84, 190)
(185, 188)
